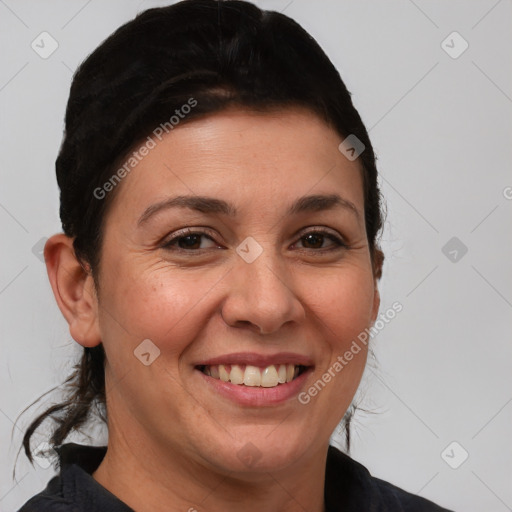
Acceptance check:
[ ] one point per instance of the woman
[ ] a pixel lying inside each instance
(219, 261)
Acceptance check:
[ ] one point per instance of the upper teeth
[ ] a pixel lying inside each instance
(248, 375)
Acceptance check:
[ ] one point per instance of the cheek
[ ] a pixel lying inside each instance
(344, 308)
(343, 302)
(164, 305)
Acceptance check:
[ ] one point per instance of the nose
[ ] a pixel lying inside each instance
(261, 295)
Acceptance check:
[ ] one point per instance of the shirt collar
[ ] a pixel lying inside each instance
(347, 483)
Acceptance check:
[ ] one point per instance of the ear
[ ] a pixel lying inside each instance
(73, 288)
(377, 261)
(376, 303)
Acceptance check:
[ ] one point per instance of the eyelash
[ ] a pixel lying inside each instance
(339, 243)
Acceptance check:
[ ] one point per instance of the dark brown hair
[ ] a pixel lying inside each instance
(221, 53)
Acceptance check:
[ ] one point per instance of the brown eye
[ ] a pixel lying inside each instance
(188, 241)
(316, 240)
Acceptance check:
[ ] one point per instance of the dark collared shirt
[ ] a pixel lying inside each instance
(349, 487)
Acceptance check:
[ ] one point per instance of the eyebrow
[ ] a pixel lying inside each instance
(212, 205)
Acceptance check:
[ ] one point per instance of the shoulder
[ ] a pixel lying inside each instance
(408, 502)
(346, 477)
(51, 499)
(74, 489)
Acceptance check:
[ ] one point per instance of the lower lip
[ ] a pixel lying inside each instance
(256, 396)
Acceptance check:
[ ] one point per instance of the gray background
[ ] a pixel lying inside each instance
(441, 127)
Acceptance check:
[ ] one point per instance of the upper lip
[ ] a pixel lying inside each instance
(254, 359)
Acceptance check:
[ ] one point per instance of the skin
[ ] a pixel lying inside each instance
(173, 442)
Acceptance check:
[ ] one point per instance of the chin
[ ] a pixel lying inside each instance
(261, 452)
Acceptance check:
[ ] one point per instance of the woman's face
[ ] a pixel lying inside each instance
(253, 285)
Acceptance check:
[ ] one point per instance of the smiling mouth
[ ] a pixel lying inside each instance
(254, 376)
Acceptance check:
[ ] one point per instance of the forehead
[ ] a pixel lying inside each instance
(242, 156)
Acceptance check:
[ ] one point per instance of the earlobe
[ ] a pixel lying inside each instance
(378, 262)
(376, 303)
(73, 289)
